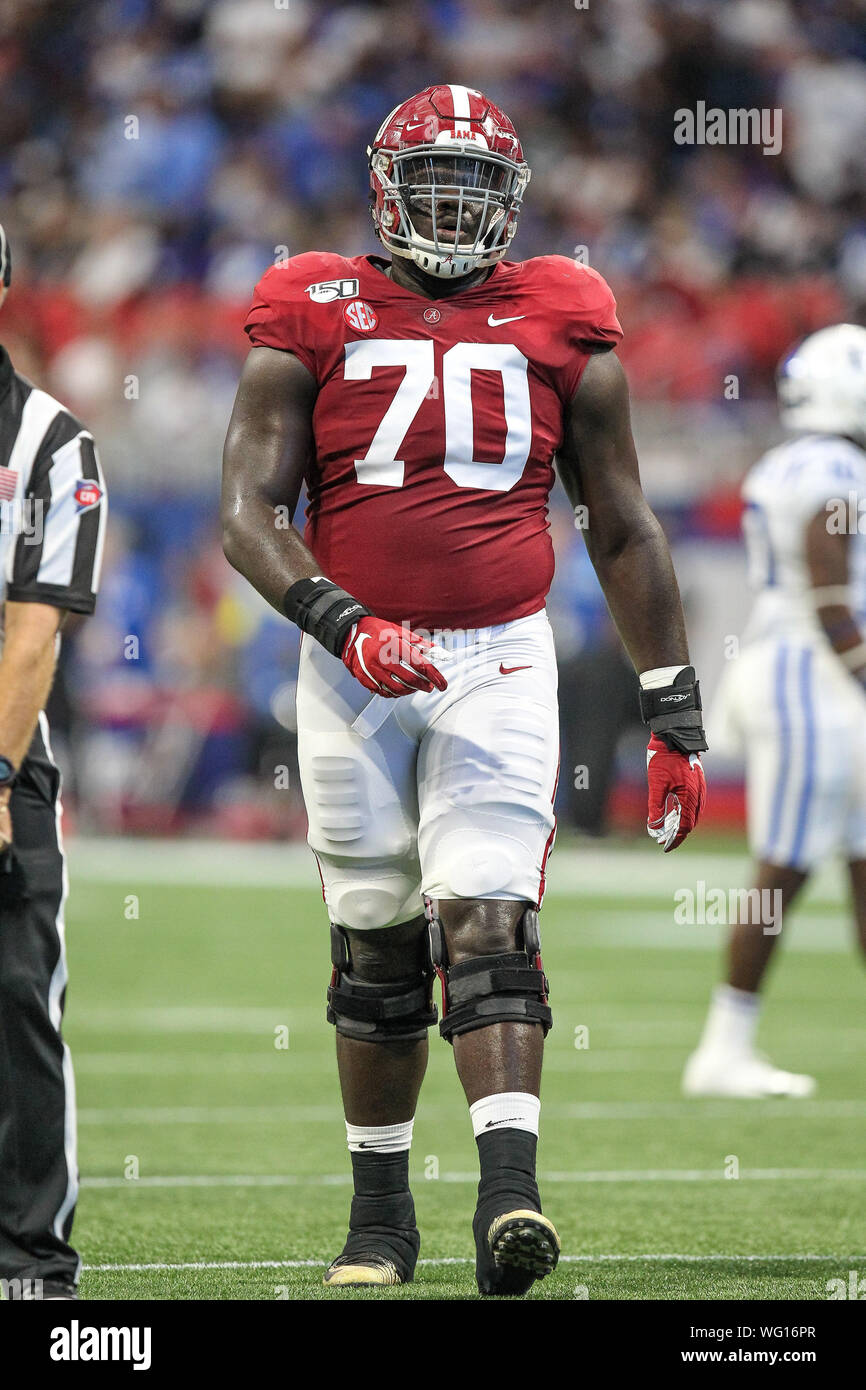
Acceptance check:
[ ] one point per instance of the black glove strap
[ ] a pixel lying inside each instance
(324, 610)
(673, 712)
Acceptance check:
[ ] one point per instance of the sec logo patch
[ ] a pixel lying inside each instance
(360, 316)
(87, 494)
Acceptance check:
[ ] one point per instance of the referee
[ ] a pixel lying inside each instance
(52, 520)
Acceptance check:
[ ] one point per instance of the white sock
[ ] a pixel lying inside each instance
(732, 1020)
(382, 1139)
(508, 1110)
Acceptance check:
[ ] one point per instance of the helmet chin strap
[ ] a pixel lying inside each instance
(449, 266)
(446, 267)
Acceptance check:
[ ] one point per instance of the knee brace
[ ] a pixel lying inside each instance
(507, 988)
(395, 1011)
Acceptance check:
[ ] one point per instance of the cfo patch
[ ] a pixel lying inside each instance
(87, 494)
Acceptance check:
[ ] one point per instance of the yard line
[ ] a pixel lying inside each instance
(259, 1019)
(580, 1175)
(211, 1115)
(614, 871)
(466, 1260)
(554, 1110)
(707, 1109)
(184, 1064)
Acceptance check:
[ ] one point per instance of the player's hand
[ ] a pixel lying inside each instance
(389, 659)
(677, 793)
(5, 823)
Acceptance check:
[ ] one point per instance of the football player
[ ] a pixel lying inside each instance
(422, 399)
(795, 699)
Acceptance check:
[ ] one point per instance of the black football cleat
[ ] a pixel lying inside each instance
(375, 1259)
(361, 1272)
(50, 1291)
(513, 1250)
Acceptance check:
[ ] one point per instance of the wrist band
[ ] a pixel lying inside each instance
(832, 596)
(659, 676)
(673, 712)
(854, 657)
(324, 610)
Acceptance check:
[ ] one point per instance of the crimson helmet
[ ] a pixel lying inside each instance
(447, 175)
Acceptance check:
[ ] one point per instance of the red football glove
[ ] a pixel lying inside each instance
(389, 659)
(677, 792)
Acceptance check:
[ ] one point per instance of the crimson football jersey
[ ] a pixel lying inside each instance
(435, 425)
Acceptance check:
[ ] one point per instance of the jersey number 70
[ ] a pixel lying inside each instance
(380, 465)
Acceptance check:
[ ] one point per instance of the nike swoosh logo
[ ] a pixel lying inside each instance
(362, 637)
(494, 323)
(507, 670)
(510, 1121)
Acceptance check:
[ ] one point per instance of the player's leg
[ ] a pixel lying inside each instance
(380, 1082)
(491, 968)
(855, 829)
(361, 804)
(486, 776)
(797, 786)
(38, 1168)
(381, 1003)
(857, 877)
(753, 939)
(726, 1062)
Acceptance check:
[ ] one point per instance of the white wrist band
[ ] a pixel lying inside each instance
(832, 596)
(855, 657)
(659, 676)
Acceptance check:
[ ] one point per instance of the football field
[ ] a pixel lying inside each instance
(211, 1141)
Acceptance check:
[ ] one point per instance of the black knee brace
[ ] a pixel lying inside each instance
(507, 988)
(399, 1011)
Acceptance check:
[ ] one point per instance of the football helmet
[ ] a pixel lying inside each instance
(821, 383)
(447, 177)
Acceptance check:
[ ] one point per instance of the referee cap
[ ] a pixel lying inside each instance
(5, 259)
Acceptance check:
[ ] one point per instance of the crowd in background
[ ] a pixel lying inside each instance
(157, 155)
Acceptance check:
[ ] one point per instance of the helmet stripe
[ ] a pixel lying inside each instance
(460, 102)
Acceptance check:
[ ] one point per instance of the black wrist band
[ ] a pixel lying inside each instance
(324, 610)
(673, 712)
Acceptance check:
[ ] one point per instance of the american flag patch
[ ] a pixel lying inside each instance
(8, 479)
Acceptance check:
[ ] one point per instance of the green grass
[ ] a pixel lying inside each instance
(172, 1020)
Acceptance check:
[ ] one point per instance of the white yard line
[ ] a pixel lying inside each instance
(609, 870)
(603, 1175)
(466, 1260)
(701, 1110)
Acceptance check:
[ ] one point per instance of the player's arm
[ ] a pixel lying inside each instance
(599, 470)
(827, 559)
(26, 672)
(268, 449)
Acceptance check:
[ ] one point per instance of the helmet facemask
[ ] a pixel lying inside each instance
(450, 210)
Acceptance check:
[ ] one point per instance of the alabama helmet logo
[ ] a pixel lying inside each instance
(87, 494)
(360, 316)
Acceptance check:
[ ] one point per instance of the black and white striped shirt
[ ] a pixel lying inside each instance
(52, 499)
